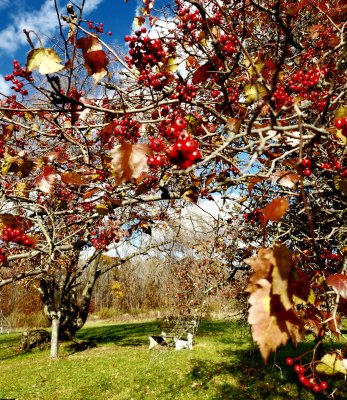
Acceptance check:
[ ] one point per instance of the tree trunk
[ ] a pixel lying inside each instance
(55, 336)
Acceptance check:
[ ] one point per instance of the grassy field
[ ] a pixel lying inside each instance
(224, 364)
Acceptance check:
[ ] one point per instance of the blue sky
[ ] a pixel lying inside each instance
(40, 15)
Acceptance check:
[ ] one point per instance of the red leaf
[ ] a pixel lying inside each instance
(95, 61)
(202, 73)
(94, 57)
(339, 284)
(46, 181)
(129, 161)
(270, 64)
(275, 210)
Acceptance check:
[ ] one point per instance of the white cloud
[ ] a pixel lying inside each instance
(91, 5)
(43, 21)
(4, 86)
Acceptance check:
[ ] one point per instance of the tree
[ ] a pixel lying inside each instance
(242, 99)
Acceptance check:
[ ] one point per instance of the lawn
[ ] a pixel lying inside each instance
(117, 364)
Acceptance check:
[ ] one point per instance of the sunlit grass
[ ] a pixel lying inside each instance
(224, 364)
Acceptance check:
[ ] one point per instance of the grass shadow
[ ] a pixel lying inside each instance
(134, 334)
(245, 376)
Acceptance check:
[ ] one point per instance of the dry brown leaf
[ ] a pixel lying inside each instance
(129, 161)
(275, 210)
(46, 180)
(281, 259)
(286, 179)
(72, 178)
(266, 330)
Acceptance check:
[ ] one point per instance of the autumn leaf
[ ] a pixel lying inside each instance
(191, 194)
(340, 183)
(14, 221)
(95, 58)
(172, 64)
(285, 179)
(46, 180)
(22, 189)
(275, 210)
(339, 284)
(102, 209)
(281, 259)
(18, 164)
(266, 330)
(202, 73)
(45, 59)
(90, 193)
(72, 178)
(129, 161)
(233, 125)
(253, 180)
(331, 364)
(254, 92)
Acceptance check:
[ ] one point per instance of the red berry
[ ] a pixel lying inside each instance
(306, 163)
(324, 385)
(180, 123)
(289, 361)
(339, 123)
(316, 388)
(307, 172)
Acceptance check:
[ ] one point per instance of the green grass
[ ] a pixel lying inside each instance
(224, 364)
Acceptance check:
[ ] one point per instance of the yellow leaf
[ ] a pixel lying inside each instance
(101, 209)
(45, 59)
(21, 189)
(340, 184)
(311, 299)
(341, 112)
(172, 64)
(254, 92)
(330, 364)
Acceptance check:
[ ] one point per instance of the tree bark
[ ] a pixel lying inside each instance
(55, 336)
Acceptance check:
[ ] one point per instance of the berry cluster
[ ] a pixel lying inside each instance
(98, 29)
(144, 51)
(341, 123)
(64, 195)
(300, 81)
(101, 240)
(15, 235)
(308, 380)
(306, 166)
(185, 92)
(102, 175)
(190, 20)
(183, 152)
(229, 44)
(328, 255)
(155, 80)
(126, 128)
(19, 72)
(254, 216)
(282, 98)
(3, 257)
